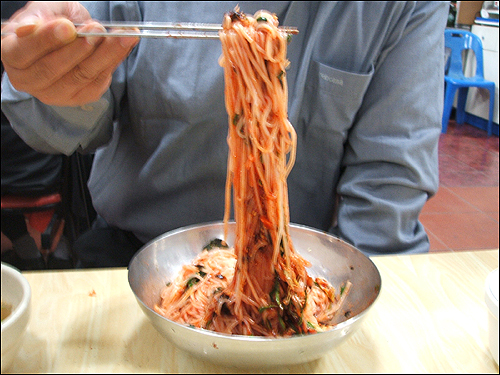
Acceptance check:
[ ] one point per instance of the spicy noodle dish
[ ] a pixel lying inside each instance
(261, 286)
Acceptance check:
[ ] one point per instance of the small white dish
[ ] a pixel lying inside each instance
(16, 293)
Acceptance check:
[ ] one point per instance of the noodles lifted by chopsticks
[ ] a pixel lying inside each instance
(262, 287)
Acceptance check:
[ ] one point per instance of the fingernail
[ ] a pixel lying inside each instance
(29, 21)
(64, 32)
(27, 26)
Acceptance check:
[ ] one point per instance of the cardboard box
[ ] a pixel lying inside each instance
(467, 12)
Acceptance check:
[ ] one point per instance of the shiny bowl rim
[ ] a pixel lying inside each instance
(227, 336)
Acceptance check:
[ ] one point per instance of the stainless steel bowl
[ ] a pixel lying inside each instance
(160, 260)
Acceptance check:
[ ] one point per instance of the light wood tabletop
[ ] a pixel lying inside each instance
(431, 316)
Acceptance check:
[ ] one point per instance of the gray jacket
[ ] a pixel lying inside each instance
(365, 97)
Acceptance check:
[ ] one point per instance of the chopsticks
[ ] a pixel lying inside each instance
(159, 30)
(176, 30)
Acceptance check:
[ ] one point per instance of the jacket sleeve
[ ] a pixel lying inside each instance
(390, 166)
(51, 129)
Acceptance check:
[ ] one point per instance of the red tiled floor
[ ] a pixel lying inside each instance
(452, 172)
(464, 214)
(446, 201)
(484, 198)
(436, 245)
(462, 230)
(467, 157)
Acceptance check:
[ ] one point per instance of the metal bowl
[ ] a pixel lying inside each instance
(161, 259)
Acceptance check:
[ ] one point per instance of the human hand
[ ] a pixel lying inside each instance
(44, 57)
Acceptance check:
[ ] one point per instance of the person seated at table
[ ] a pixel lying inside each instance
(28, 174)
(365, 97)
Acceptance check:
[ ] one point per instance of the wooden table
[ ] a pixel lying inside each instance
(430, 317)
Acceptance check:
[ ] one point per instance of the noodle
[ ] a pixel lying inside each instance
(261, 287)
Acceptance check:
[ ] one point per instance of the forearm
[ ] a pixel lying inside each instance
(69, 106)
(391, 160)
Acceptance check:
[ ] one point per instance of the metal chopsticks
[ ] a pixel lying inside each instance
(158, 34)
(178, 30)
(159, 30)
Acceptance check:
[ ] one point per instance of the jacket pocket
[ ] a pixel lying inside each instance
(330, 102)
(334, 96)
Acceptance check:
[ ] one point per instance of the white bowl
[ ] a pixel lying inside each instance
(16, 292)
(491, 299)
